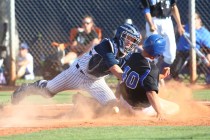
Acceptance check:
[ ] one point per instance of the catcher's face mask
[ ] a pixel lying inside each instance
(129, 41)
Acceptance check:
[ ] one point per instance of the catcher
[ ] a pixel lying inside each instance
(88, 72)
(139, 89)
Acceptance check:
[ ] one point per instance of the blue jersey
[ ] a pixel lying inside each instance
(104, 58)
(108, 50)
(202, 39)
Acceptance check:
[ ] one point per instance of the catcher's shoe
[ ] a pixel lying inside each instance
(19, 94)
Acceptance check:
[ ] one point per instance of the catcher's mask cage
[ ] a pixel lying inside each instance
(129, 39)
(127, 34)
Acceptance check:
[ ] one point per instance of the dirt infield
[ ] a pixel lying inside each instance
(26, 118)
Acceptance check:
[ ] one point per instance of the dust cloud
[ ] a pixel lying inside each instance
(35, 111)
(181, 94)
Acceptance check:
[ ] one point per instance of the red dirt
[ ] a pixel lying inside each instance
(27, 118)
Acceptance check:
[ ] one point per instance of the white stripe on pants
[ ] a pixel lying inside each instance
(72, 78)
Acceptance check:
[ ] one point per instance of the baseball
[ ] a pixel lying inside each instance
(116, 109)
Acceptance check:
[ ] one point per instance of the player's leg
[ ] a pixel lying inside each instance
(168, 32)
(99, 90)
(178, 64)
(21, 71)
(168, 107)
(71, 78)
(29, 89)
(68, 79)
(84, 106)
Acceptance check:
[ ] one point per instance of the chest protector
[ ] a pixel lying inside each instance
(97, 65)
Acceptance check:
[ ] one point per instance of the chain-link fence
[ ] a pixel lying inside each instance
(202, 8)
(43, 21)
(40, 22)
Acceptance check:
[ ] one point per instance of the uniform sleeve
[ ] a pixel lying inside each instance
(104, 49)
(173, 2)
(145, 6)
(206, 39)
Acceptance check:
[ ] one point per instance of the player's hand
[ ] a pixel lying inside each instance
(152, 28)
(55, 44)
(166, 71)
(161, 117)
(181, 30)
(59, 45)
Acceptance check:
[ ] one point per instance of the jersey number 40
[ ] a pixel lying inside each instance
(132, 78)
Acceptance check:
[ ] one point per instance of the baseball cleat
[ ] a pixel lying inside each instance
(19, 94)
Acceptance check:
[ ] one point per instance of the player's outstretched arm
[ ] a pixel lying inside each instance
(117, 71)
(154, 101)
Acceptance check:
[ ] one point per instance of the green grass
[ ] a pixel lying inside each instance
(63, 97)
(203, 95)
(66, 96)
(118, 133)
(5, 97)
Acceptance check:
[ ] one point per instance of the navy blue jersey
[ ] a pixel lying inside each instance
(158, 8)
(140, 75)
(105, 58)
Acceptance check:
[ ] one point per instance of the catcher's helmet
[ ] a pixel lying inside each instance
(154, 45)
(127, 37)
